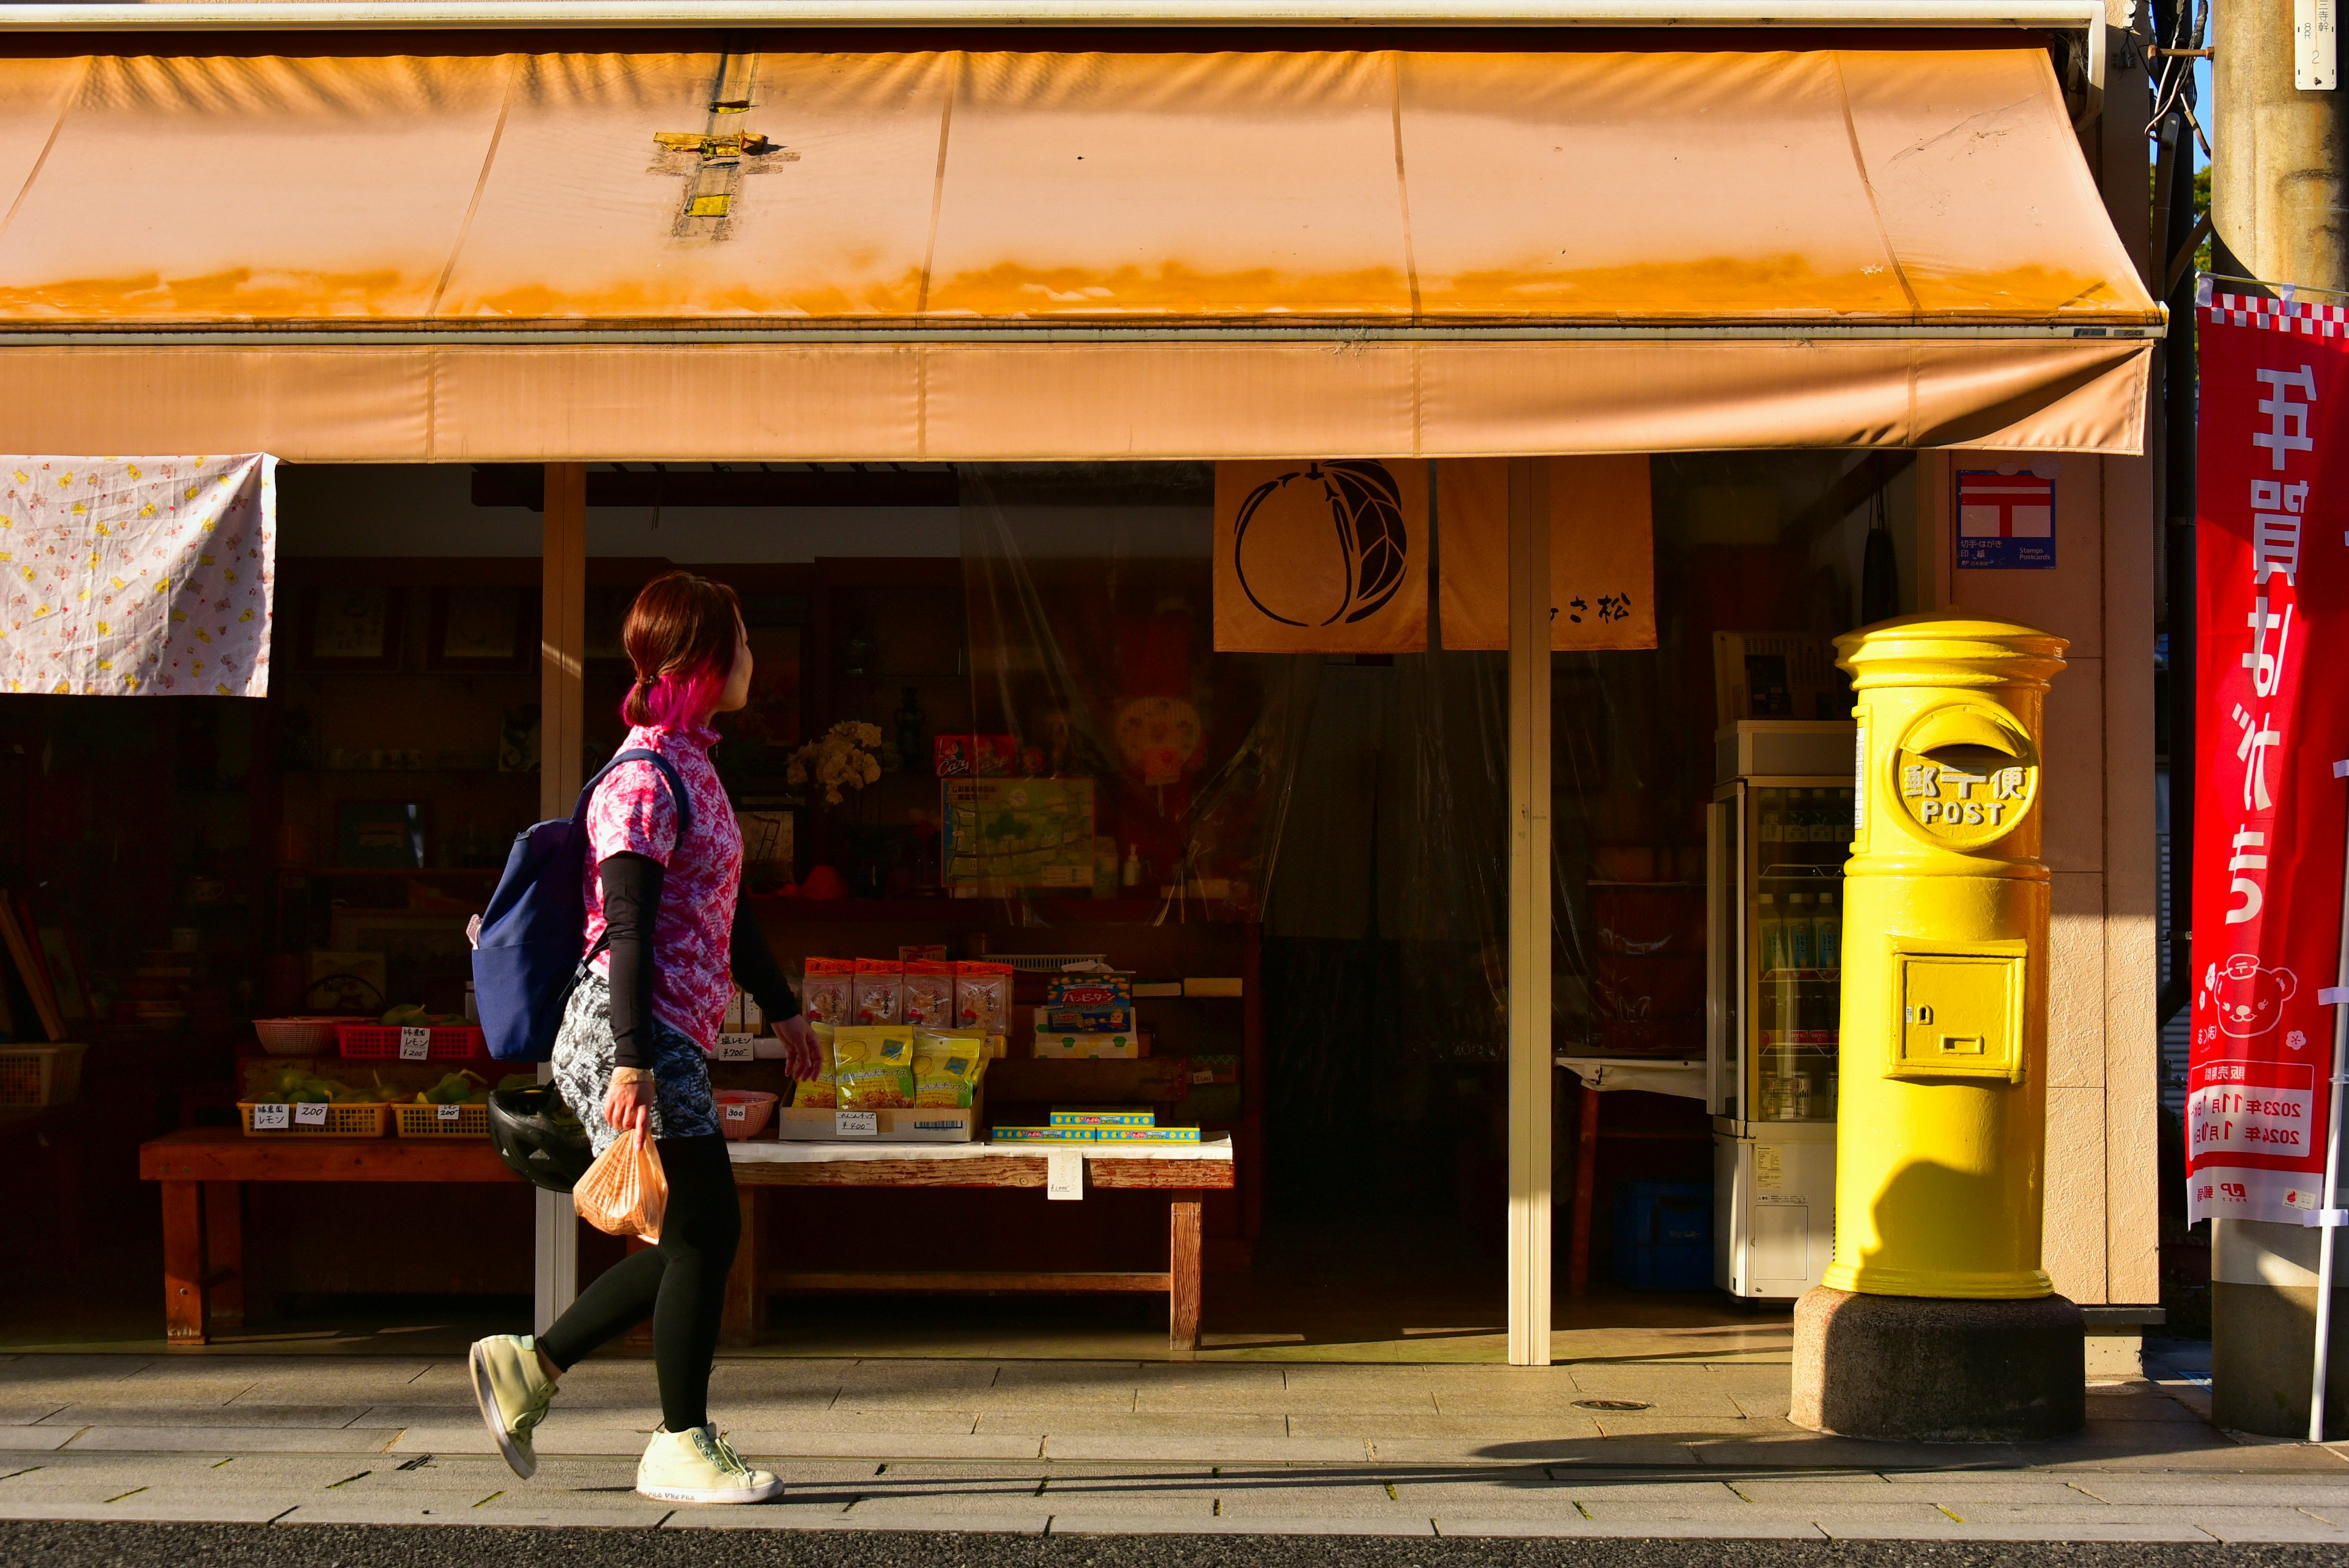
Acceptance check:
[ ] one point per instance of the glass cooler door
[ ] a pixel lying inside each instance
(1798, 833)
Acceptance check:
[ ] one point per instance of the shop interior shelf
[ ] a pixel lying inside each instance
(1158, 1080)
(486, 873)
(969, 913)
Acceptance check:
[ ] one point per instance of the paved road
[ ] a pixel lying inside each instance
(354, 1546)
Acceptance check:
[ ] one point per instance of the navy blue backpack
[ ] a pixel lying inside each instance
(526, 954)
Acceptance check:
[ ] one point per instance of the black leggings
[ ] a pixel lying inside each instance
(681, 1283)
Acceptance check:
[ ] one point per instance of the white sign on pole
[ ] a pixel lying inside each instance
(2316, 65)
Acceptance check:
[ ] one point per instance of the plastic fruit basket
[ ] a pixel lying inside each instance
(381, 1042)
(755, 1107)
(309, 1036)
(471, 1120)
(40, 1074)
(342, 1121)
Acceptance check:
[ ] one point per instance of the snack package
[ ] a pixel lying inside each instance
(820, 1092)
(872, 1066)
(983, 996)
(824, 989)
(877, 991)
(948, 1064)
(1090, 988)
(929, 994)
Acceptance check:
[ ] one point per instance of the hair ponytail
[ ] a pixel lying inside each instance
(680, 636)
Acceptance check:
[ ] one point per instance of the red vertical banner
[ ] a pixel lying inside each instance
(2272, 688)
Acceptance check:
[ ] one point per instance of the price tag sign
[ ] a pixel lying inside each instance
(1203, 1075)
(736, 1047)
(309, 1115)
(415, 1045)
(856, 1123)
(447, 1113)
(1064, 1175)
(736, 1111)
(271, 1118)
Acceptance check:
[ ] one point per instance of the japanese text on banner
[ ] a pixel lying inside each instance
(2272, 568)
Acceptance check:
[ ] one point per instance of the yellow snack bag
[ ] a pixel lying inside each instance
(947, 1066)
(819, 1092)
(873, 1066)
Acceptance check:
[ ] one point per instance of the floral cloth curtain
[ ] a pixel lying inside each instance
(137, 576)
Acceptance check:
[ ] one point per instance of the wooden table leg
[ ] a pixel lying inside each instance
(1586, 1173)
(745, 1301)
(225, 1254)
(183, 1262)
(1183, 1273)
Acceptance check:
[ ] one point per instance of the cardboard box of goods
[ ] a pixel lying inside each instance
(1145, 1135)
(1121, 1047)
(1104, 1116)
(1111, 1019)
(1090, 991)
(1094, 1135)
(913, 1123)
(994, 756)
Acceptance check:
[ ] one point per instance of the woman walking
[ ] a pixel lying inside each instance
(668, 937)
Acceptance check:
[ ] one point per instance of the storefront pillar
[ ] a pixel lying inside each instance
(1530, 1066)
(562, 646)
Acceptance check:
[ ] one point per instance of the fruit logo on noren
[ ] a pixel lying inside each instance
(1364, 550)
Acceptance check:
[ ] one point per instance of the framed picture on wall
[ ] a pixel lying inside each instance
(382, 834)
(481, 628)
(424, 956)
(354, 628)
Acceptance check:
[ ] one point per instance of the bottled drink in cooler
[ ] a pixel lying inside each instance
(1797, 940)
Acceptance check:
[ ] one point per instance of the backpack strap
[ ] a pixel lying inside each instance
(677, 795)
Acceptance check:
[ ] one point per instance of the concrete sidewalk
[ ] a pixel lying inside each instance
(1592, 1449)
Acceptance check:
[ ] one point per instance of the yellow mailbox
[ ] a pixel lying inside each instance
(1941, 1139)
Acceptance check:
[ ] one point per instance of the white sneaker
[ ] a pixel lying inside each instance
(700, 1466)
(513, 1392)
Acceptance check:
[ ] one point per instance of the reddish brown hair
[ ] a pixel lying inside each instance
(680, 635)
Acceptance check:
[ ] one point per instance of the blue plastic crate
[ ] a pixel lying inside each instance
(1663, 1235)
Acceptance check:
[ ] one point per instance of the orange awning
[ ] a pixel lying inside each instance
(976, 256)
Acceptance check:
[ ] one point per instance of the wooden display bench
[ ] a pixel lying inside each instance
(202, 1172)
(1183, 1172)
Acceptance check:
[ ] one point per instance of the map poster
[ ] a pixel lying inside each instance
(1017, 834)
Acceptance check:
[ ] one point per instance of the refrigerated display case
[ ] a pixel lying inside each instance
(1779, 830)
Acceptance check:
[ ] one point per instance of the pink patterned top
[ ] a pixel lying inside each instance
(693, 932)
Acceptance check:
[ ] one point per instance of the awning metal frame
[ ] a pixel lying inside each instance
(356, 334)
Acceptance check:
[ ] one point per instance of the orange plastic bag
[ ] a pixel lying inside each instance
(625, 1193)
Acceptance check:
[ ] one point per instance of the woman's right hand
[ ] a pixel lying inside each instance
(631, 1097)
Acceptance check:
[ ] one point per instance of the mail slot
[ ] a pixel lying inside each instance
(1961, 1014)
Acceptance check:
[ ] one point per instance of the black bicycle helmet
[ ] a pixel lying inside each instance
(535, 1134)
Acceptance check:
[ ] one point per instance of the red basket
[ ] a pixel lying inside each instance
(381, 1042)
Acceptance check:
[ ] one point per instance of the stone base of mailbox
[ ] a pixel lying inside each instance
(1934, 1370)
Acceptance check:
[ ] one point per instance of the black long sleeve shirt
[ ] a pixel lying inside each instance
(631, 893)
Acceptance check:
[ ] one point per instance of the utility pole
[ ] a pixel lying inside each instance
(2279, 200)
(2279, 205)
